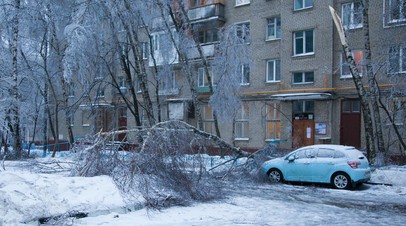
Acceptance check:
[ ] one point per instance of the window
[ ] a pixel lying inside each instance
(397, 59)
(86, 88)
(202, 78)
(241, 2)
(155, 42)
(176, 110)
(303, 4)
(273, 28)
(303, 42)
(86, 118)
(303, 106)
(303, 77)
(351, 14)
(273, 71)
(144, 118)
(305, 153)
(243, 31)
(167, 83)
(100, 92)
(325, 153)
(144, 50)
(122, 83)
(273, 121)
(397, 108)
(245, 74)
(71, 89)
(345, 67)
(208, 32)
(349, 106)
(71, 119)
(208, 119)
(397, 11)
(197, 3)
(241, 123)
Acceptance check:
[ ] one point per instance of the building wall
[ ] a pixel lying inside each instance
(325, 62)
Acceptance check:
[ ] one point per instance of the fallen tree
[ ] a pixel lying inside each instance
(167, 164)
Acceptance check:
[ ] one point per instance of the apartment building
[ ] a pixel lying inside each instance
(297, 90)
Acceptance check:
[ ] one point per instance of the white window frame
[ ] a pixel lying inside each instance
(242, 119)
(155, 41)
(402, 15)
(71, 89)
(352, 13)
(303, 73)
(400, 58)
(358, 64)
(244, 79)
(201, 77)
(242, 2)
(275, 71)
(296, 39)
(239, 25)
(145, 50)
(272, 24)
(303, 3)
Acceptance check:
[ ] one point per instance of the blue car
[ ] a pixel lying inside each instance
(338, 165)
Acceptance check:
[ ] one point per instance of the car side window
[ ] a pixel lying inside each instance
(310, 153)
(306, 153)
(338, 154)
(300, 154)
(325, 153)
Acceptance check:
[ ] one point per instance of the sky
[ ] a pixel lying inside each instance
(43, 187)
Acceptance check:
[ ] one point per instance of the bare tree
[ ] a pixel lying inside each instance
(361, 91)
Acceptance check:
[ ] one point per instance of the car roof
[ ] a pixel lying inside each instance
(330, 146)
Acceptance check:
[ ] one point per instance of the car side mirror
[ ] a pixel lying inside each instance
(291, 158)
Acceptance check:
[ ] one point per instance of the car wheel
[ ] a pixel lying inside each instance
(275, 176)
(341, 181)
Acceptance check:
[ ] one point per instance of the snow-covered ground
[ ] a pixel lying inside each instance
(27, 196)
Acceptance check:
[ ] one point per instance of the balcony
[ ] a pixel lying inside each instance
(208, 51)
(214, 10)
(169, 92)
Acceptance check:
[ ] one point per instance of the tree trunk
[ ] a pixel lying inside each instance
(15, 110)
(372, 83)
(362, 94)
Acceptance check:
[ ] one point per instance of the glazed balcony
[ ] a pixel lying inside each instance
(211, 10)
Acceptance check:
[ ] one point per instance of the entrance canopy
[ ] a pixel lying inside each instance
(301, 96)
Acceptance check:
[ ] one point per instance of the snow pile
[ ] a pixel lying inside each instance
(394, 175)
(26, 197)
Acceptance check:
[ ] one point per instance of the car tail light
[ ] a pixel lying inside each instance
(354, 164)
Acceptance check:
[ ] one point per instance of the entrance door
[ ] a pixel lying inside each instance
(303, 132)
(122, 123)
(350, 125)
